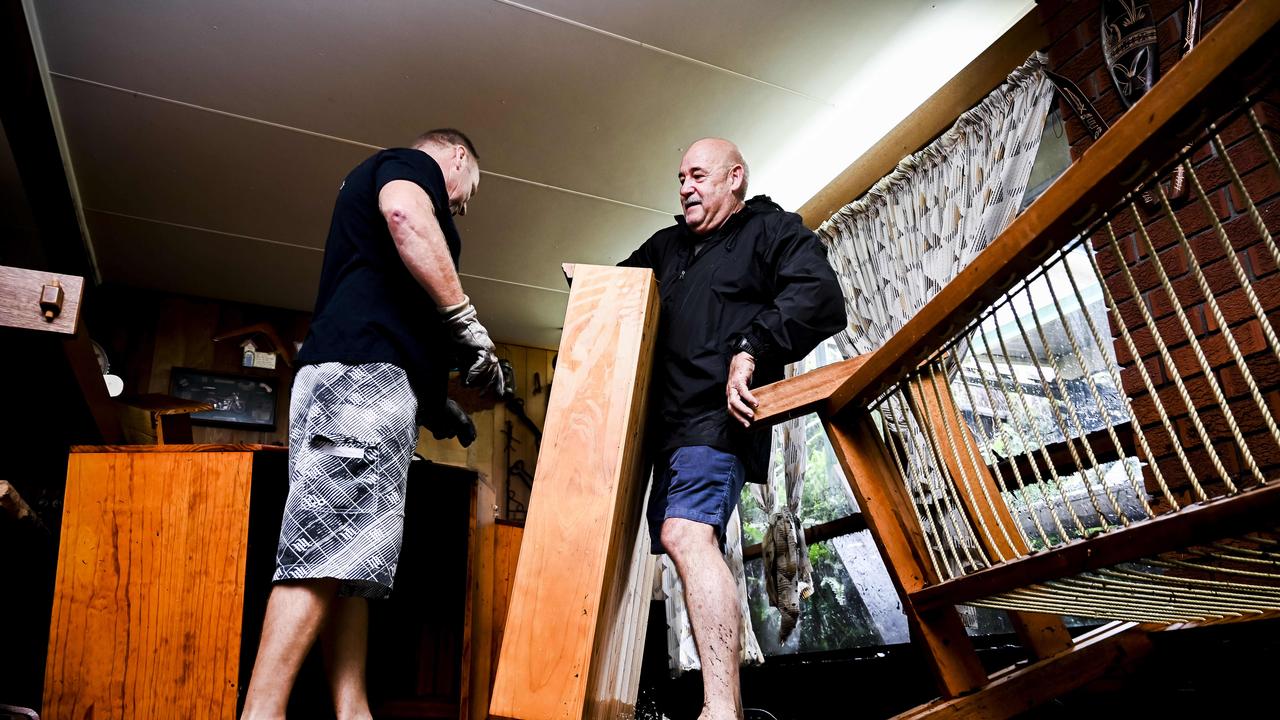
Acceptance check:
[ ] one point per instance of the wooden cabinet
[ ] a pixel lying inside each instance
(165, 567)
(153, 572)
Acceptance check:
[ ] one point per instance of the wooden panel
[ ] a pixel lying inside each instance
(506, 553)
(150, 585)
(477, 635)
(885, 505)
(934, 116)
(1250, 511)
(20, 300)
(586, 505)
(1229, 62)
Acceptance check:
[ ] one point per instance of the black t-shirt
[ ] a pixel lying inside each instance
(369, 308)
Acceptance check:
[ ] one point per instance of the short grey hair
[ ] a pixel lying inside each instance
(446, 137)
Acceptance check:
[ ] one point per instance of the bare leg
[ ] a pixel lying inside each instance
(712, 598)
(346, 647)
(295, 612)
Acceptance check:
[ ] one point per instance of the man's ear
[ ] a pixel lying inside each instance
(460, 156)
(736, 174)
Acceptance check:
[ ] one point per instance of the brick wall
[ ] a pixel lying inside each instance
(1075, 52)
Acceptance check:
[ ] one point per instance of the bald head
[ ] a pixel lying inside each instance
(713, 184)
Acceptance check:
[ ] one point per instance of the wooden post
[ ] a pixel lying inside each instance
(1042, 633)
(572, 604)
(885, 504)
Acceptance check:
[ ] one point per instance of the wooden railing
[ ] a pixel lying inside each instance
(959, 521)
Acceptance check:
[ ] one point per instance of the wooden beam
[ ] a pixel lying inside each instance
(1249, 511)
(576, 581)
(20, 300)
(966, 89)
(1229, 62)
(1115, 649)
(883, 499)
(802, 394)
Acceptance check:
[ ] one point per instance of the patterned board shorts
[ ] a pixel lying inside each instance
(352, 433)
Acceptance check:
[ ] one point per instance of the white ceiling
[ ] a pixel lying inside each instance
(207, 139)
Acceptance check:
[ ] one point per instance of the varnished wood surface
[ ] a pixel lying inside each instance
(585, 512)
(20, 300)
(150, 584)
(1228, 62)
(932, 118)
(802, 394)
(195, 448)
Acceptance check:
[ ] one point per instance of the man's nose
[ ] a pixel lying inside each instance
(686, 188)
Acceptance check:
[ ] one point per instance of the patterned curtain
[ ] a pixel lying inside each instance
(894, 248)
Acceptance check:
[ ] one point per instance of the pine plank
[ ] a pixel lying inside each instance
(585, 513)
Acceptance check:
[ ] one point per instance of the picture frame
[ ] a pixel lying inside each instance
(239, 401)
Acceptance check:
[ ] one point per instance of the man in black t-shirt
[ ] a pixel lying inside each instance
(390, 321)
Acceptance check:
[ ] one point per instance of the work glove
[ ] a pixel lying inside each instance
(477, 355)
(448, 421)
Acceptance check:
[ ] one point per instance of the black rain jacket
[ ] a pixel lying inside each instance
(763, 276)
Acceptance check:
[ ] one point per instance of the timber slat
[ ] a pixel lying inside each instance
(574, 632)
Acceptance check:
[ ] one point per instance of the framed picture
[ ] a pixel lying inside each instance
(241, 401)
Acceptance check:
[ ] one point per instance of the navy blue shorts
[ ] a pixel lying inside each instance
(698, 483)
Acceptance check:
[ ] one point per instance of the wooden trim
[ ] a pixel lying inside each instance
(1229, 62)
(839, 527)
(198, 448)
(1116, 649)
(1205, 522)
(802, 394)
(966, 89)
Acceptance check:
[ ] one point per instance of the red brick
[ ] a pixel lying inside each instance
(1248, 153)
(1169, 32)
(1218, 275)
(1070, 16)
(1108, 261)
(1262, 183)
(1249, 340)
(1173, 261)
(1131, 378)
(1197, 387)
(1243, 231)
(1082, 64)
(1235, 304)
(1261, 262)
(1264, 369)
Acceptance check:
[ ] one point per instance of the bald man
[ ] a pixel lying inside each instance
(746, 289)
